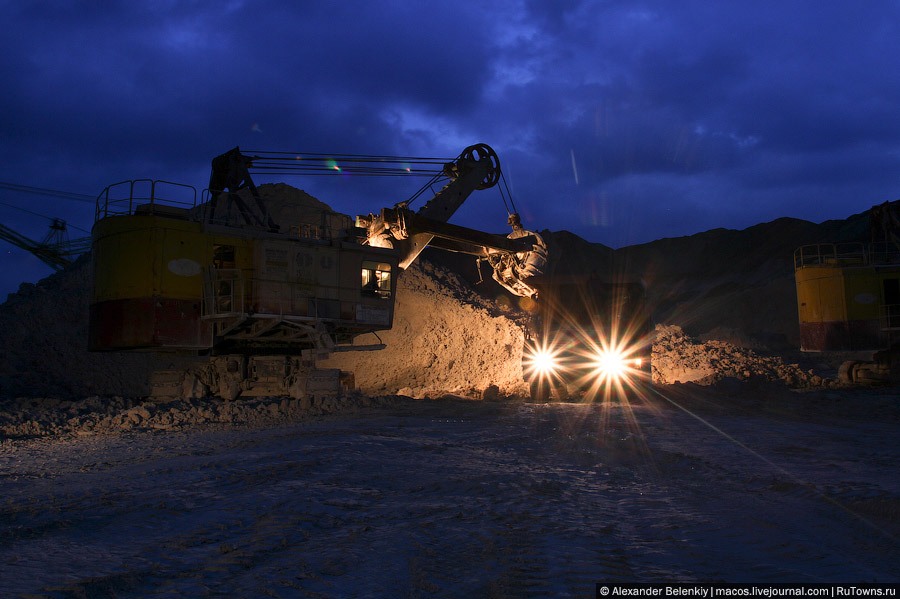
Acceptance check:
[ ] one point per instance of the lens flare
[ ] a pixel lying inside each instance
(544, 362)
(528, 304)
(611, 363)
(611, 366)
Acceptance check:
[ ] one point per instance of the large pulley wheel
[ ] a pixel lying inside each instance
(484, 154)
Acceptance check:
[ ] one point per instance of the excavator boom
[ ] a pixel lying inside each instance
(54, 251)
(514, 258)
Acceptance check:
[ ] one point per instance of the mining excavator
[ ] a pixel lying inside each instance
(848, 299)
(260, 287)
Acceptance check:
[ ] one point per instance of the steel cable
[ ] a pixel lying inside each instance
(50, 218)
(66, 195)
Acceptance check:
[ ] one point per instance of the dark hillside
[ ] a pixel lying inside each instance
(723, 284)
(734, 285)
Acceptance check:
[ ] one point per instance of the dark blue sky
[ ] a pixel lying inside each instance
(621, 121)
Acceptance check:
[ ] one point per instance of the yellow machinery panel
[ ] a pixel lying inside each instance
(844, 298)
(124, 259)
(163, 279)
(820, 295)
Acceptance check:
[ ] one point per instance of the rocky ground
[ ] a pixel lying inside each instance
(25, 418)
(680, 358)
(438, 477)
(734, 482)
(447, 338)
(677, 359)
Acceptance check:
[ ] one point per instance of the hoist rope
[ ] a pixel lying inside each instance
(66, 195)
(314, 163)
(503, 195)
(50, 218)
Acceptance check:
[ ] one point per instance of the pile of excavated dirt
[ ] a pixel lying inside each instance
(680, 358)
(478, 355)
(43, 343)
(446, 340)
(24, 418)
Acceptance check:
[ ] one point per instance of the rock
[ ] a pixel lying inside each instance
(679, 358)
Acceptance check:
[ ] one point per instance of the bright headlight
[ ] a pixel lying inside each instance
(611, 364)
(543, 362)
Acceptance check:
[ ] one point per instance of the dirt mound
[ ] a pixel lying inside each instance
(43, 344)
(446, 339)
(679, 358)
(47, 417)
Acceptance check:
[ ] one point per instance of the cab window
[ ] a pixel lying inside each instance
(376, 279)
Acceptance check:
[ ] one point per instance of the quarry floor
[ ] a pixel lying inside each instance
(453, 498)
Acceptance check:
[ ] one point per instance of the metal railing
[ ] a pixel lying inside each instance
(847, 254)
(884, 252)
(830, 254)
(225, 292)
(150, 195)
(890, 317)
(310, 231)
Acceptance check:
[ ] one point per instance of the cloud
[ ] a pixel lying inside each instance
(679, 116)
